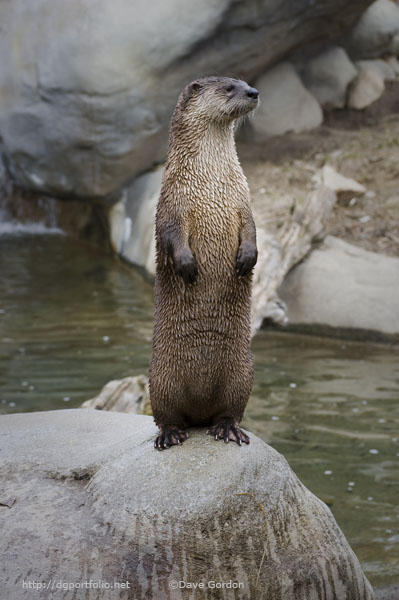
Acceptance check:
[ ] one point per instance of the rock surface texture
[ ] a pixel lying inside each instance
(343, 286)
(387, 592)
(98, 502)
(87, 88)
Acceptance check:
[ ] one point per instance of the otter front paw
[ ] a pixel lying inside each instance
(186, 265)
(246, 258)
(169, 436)
(229, 432)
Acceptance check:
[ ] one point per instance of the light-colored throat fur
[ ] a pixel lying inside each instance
(204, 155)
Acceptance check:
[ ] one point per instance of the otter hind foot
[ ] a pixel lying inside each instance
(169, 436)
(229, 432)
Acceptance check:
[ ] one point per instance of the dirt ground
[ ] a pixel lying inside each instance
(363, 145)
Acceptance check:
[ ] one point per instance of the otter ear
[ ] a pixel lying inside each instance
(195, 86)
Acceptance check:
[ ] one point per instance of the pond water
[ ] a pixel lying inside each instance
(72, 318)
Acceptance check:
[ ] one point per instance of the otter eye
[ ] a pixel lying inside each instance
(229, 88)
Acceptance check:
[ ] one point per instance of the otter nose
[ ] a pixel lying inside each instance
(252, 93)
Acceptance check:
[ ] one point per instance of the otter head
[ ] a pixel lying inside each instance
(217, 99)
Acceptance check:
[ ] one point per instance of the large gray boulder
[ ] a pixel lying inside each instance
(343, 286)
(328, 75)
(87, 88)
(377, 31)
(84, 496)
(286, 104)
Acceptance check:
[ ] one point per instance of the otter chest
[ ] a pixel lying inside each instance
(215, 213)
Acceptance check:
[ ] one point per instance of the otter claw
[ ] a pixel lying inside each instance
(186, 266)
(228, 432)
(246, 259)
(169, 436)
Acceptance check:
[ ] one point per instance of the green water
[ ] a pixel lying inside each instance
(331, 408)
(71, 319)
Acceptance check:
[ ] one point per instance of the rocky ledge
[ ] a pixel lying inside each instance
(85, 497)
(346, 291)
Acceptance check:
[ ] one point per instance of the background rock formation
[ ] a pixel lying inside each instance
(376, 32)
(87, 89)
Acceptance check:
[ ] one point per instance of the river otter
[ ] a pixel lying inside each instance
(201, 370)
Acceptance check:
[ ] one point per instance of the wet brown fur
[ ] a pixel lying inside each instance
(201, 370)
